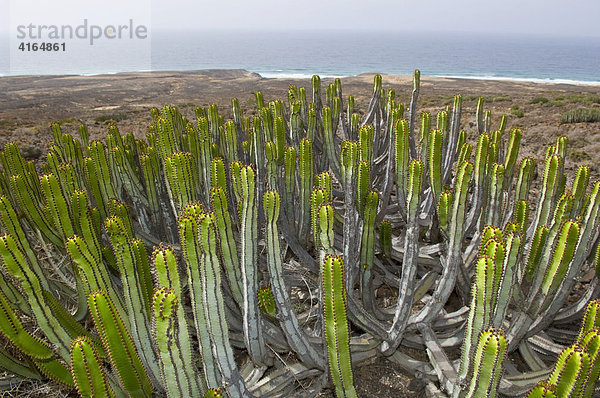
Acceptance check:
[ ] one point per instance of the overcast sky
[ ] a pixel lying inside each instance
(545, 17)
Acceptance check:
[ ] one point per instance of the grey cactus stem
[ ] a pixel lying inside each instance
(454, 256)
(295, 337)
(412, 112)
(252, 321)
(409, 264)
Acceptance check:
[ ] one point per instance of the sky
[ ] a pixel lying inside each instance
(540, 17)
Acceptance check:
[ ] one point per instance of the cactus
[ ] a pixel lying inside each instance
(491, 348)
(314, 177)
(336, 326)
(118, 344)
(296, 338)
(88, 375)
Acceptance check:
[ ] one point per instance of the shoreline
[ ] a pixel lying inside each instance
(301, 76)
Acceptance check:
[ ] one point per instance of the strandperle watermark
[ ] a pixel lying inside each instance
(79, 37)
(85, 30)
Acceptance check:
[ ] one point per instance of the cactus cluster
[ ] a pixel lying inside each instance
(147, 263)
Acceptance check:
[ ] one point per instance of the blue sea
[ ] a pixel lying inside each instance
(348, 53)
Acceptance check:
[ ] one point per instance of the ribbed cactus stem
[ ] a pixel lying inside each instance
(295, 337)
(561, 258)
(424, 136)
(412, 113)
(363, 184)
(136, 303)
(512, 153)
(336, 330)
(507, 277)
(88, 374)
(173, 362)
(465, 152)
(252, 322)
(385, 237)
(366, 135)
(542, 390)
(536, 249)
(367, 248)
(118, 344)
(325, 234)
(227, 242)
(272, 167)
(479, 116)
(580, 184)
(489, 355)
(349, 157)
(16, 264)
(550, 186)
(167, 275)
(444, 211)
(479, 315)
(402, 158)
(199, 245)
(409, 263)
(328, 141)
(306, 174)
(10, 222)
(317, 198)
(434, 162)
(454, 138)
(591, 318)
(453, 260)
(569, 373)
(12, 329)
(590, 342)
(479, 178)
(205, 158)
(28, 202)
(493, 207)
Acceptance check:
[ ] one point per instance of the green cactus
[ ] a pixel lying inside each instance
(489, 355)
(88, 374)
(336, 330)
(296, 338)
(175, 365)
(570, 371)
(385, 237)
(155, 191)
(118, 344)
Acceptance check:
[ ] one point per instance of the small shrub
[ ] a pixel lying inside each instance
(67, 121)
(539, 100)
(586, 99)
(502, 98)
(515, 110)
(116, 117)
(580, 156)
(582, 115)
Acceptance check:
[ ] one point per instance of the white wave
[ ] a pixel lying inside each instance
(525, 79)
(291, 75)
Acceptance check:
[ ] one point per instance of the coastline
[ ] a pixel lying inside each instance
(297, 76)
(28, 104)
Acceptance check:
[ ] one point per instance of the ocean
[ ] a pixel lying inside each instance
(348, 53)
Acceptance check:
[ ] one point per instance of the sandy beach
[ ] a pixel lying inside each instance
(28, 104)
